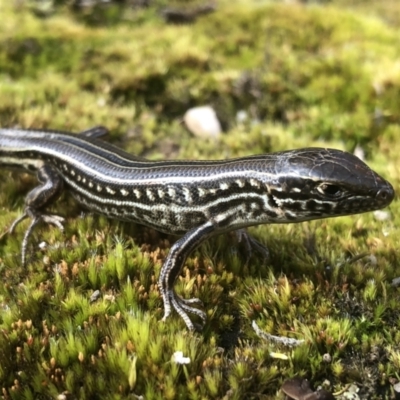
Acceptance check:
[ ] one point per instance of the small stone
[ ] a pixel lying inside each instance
(381, 215)
(326, 384)
(202, 122)
(396, 282)
(327, 358)
(372, 260)
(396, 388)
(95, 295)
(241, 116)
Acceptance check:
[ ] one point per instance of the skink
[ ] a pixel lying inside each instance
(195, 199)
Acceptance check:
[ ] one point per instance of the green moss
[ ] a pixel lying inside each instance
(335, 82)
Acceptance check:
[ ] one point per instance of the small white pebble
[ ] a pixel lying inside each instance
(395, 283)
(381, 215)
(241, 116)
(326, 384)
(327, 358)
(95, 295)
(396, 387)
(202, 122)
(373, 261)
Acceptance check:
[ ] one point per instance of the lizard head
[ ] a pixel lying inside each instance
(317, 183)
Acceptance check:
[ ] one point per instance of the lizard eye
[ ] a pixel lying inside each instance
(329, 190)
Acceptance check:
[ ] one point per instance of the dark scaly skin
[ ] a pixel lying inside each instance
(196, 199)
